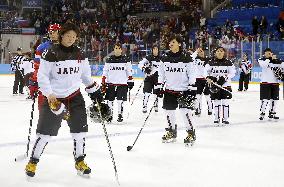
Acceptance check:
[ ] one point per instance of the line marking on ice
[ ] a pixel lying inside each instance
(136, 132)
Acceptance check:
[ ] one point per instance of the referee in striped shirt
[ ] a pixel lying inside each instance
(16, 66)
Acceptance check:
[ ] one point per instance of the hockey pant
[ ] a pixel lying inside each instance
(198, 103)
(221, 108)
(42, 141)
(186, 115)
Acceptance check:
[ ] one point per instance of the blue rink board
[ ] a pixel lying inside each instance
(97, 70)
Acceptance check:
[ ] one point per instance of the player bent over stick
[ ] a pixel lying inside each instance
(63, 68)
(177, 73)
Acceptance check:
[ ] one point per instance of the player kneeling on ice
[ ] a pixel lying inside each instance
(63, 68)
(117, 79)
(220, 71)
(272, 73)
(177, 73)
(149, 65)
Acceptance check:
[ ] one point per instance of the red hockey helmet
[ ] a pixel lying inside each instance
(54, 27)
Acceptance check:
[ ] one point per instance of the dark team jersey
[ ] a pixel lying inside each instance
(117, 70)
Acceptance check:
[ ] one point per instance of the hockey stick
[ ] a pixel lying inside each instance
(23, 157)
(108, 142)
(133, 99)
(222, 88)
(130, 147)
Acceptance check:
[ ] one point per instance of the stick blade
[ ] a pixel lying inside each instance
(20, 158)
(129, 148)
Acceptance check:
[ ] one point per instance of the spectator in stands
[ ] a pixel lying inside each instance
(263, 25)
(255, 25)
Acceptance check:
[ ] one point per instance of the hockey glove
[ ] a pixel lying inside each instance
(214, 79)
(130, 85)
(221, 81)
(147, 70)
(33, 87)
(187, 99)
(95, 93)
(104, 86)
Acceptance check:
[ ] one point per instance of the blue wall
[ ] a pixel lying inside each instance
(98, 69)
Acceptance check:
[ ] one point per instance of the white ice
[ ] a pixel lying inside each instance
(245, 153)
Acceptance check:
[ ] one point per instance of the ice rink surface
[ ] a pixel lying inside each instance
(246, 153)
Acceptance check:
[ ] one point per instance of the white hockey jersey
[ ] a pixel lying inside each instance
(177, 71)
(27, 66)
(267, 65)
(221, 67)
(200, 63)
(62, 70)
(117, 70)
(152, 62)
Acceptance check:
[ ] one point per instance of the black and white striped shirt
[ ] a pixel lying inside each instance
(17, 62)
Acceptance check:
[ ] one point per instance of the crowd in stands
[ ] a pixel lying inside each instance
(103, 23)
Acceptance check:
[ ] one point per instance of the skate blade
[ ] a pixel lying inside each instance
(169, 141)
(190, 144)
(81, 174)
(29, 178)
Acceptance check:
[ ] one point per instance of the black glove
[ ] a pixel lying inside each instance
(147, 70)
(130, 85)
(187, 99)
(96, 96)
(221, 80)
(158, 91)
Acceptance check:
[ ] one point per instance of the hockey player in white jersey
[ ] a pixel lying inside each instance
(62, 70)
(245, 69)
(202, 88)
(177, 74)
(28, 70)
(150, 65)
(269, 86)
(117, 79)
(220, 71)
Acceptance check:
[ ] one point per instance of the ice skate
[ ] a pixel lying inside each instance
(225, 122)
(120, 118)
(156, 109)
(262, 116)
(272, 116)
(190, 139)
(82, 168)
(198, 112)
(170, 135)
(31, 167)
(144, 110)
(216, 122)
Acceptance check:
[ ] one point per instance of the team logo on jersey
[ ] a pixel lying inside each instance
(220, 71)
(174, 69)
(117, 68)
(70, 70)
